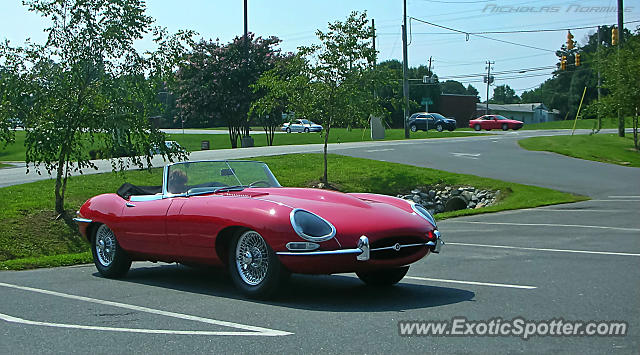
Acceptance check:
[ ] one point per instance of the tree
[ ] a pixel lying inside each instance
(87, 86)
(341, 77)
(214, 81)
(280, 89)
(620, 79)
(391, 93)
(503, 94)
(11, 94)
(453, 87)
(472, 91)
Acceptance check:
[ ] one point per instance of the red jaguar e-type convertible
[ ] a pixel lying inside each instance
(236, 214)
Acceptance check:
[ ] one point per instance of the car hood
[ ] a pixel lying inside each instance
(353, 215)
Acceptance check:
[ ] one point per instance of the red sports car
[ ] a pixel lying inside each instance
(490, 122)
(236, 214)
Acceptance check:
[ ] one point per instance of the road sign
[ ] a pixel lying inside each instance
(428, 79)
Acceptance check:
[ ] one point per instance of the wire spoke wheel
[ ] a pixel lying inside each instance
(252, 258)
(106, 245)
(110, 259)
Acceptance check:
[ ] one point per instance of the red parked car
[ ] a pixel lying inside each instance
(236, 214)
(490, 122)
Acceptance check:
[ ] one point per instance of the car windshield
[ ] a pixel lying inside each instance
(212, 176)
(438, 116)
(498, 117)
(306, 121)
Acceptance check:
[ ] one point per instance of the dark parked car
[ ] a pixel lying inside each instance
(426, 121)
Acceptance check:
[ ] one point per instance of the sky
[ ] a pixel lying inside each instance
(453, 54)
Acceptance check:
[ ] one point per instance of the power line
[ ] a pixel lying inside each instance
(544, 30)
(481, 36)
(515, 31)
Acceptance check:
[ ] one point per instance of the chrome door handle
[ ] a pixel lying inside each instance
(129, 204)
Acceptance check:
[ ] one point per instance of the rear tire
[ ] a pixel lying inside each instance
(254, 267)
(505, 127)
(110, 259)
(413, 128)
(477, 127)
(382, 278)
(439, 128)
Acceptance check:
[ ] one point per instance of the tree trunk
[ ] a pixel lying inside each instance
(62, 174)
(325, 179)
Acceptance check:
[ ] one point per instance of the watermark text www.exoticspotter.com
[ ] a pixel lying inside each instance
(516, 327)
(575, 8)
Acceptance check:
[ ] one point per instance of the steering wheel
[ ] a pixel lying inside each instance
(264, 183)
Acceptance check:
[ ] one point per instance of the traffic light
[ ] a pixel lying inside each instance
(570, 42)
(577, 59)
(563, 63)
(614, 36)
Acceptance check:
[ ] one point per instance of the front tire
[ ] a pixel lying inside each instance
(110, 259)
(306, 130)
(477, 127)
(381, 278)
(288, 130)
(255, 268)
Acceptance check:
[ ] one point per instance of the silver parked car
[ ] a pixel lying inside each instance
(301, 125)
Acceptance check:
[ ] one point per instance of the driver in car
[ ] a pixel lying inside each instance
(178, 182)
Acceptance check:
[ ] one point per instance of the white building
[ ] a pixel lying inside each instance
(527, 113)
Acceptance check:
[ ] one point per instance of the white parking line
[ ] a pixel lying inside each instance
(572, 210)
(544, 249)
(250, 330)
(470, 282)
(624, 196)
(379, 150)
(549, 225)
(632, 200)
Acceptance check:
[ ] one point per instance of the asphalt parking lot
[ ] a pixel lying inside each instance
(574, 261)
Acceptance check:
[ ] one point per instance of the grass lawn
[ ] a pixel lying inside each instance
(16, 150)
(337, 135)
(581, 124)
(606, 148)
(30, 237)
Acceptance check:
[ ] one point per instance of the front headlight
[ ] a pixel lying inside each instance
(310, 226)
(422, 212)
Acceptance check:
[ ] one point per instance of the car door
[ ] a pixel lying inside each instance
(421, 122)
(297, 126)
(495, 122)
(143, 224)
(430, 122)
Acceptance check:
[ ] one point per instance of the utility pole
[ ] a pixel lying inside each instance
(246, 23)
(405, 71)
(620, 41)
(599, 79)
(488, 81)
(373, 41)
(430, 73)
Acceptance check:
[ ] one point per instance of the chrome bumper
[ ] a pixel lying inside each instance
(363, 250)
(82, 220)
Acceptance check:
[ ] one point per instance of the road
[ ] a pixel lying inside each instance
(578, 262)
